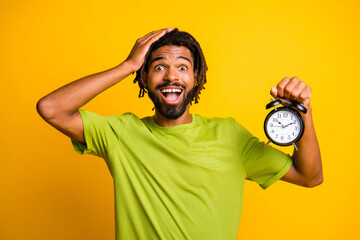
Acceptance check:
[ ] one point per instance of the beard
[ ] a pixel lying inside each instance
(171, 111)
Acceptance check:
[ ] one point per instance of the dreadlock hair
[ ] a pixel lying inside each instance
(177, 38)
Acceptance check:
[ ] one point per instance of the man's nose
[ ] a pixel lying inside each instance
(171, 74)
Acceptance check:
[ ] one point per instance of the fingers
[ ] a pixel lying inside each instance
(141, 47)
(150, 37)
(146, 41)
(288, 90)
(281, 87)
(300, 92)
(156, 36)
(292, 89)
(304, 95)
(274, 92)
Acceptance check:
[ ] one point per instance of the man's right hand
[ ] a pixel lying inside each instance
(137, 55)
(60, 108)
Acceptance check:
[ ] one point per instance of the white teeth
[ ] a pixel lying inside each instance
(170, 90)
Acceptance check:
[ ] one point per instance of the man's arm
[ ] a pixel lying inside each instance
(307, 168)
(60, 108)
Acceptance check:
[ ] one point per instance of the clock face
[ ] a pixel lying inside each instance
(283, 126)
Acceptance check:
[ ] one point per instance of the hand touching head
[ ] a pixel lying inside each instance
(176, 38)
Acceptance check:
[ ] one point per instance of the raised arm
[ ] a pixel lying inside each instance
(60, 108)
(307, 168)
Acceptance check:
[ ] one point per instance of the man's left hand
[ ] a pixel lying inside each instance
(292, 89)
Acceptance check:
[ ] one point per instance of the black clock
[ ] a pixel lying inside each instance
(284, 126)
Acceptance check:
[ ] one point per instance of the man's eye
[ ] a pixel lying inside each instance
(159, 67)
(183, 68)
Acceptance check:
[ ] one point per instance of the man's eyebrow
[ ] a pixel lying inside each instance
(161, 58)
(186, 59)
(155, 59)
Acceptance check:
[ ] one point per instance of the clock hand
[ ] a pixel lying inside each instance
(281, 124)
(289, 124)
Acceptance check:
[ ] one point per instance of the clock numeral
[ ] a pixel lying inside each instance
(289, 137)
(275, 120)
(296, 128)
(293, 133)
(273, 131)
(279, 115)
(271, 125)
(276, 135)
(285, 114)
(291, 117)
(282, 137)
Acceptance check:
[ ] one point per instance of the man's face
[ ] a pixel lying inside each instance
(171, 80)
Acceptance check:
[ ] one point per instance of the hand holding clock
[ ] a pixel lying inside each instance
(292, 89)
(307, 168)
(289, 92)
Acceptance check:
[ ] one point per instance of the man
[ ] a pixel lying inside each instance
(177, 175)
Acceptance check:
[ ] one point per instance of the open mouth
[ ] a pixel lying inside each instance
(171, 95)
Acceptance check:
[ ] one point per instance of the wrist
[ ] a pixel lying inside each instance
(308, 114)
(129, 66)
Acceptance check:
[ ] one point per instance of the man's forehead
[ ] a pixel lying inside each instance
(171, 52)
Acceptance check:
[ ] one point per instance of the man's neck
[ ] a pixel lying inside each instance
(165, 122)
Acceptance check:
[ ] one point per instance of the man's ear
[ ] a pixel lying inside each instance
(145, 82)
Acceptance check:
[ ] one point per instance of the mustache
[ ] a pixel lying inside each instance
(172, 84)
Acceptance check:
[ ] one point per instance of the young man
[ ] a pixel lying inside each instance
(177, 175)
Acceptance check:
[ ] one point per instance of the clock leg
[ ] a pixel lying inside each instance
(295, 146)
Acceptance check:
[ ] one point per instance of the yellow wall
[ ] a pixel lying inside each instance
(47, 191)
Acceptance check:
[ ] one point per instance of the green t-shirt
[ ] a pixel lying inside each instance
(180, 182)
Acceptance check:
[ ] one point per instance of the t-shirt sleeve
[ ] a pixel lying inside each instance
(263, 164)
(100, 132)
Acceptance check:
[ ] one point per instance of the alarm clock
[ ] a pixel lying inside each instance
(284, 126)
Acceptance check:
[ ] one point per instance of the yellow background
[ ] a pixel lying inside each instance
(50, 192)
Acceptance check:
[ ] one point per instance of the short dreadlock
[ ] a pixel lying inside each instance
(177, 38)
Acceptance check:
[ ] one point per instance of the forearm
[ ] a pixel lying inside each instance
(59, 108)
(307, 160)
(69, 98)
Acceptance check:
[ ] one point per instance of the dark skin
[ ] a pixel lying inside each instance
(170, 64)
(307, 167)
(60, 108)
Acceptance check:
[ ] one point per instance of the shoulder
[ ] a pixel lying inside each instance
(128, 116)
(128, 120)
(96, 119)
